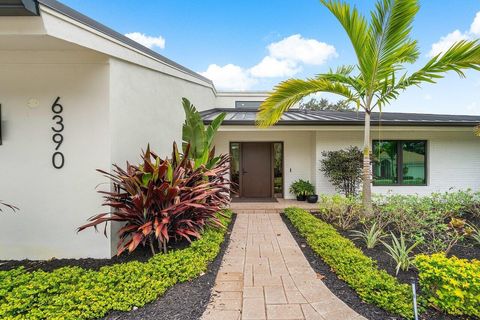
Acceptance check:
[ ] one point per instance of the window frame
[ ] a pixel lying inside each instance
(400, 182)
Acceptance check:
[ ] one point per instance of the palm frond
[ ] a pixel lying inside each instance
(459, 57)
(289, 92)
(389, 44)
(354, 23)
(343, 75)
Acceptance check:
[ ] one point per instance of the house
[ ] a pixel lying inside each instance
(76, 96)
(415, 153)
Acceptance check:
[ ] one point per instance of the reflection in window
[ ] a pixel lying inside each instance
(390, 156)
(413, 162)
(278, 169)
(235, 167)
(385, 162)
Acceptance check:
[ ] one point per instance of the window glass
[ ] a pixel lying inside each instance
(413, 164)
(385, 161)
(278, 169)
(235, 167)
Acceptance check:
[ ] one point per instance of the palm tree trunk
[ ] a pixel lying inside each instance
(367, 170)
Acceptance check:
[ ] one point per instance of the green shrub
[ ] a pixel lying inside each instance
(343, 168)
(450, 284)
(350, 264)
(302, 188)
(76, 293)
(343, 212)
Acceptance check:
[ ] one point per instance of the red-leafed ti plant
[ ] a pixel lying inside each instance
(161, 200)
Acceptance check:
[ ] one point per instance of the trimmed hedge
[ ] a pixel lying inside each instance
(76, 293)
(351, 265)
(451, 284)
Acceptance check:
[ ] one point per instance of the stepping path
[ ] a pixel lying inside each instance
(264, 275)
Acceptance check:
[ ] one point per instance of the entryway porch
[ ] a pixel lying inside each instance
(271, 207)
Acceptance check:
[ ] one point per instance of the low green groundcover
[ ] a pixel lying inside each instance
(351, 265)
(450, 284)
(76, 293)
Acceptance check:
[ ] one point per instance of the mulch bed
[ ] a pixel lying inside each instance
(184, 301)
(347, 294)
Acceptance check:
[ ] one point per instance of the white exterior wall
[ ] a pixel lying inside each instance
(227, 99)
(453, 157)
(298, 150)
(146, 107)
(52, 202)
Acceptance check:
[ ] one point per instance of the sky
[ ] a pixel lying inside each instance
(253, 45)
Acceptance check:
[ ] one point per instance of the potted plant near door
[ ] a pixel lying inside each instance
(301, 189)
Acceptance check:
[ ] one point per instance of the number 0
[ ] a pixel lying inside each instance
(58, 160)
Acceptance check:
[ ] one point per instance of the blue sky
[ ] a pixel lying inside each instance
(252, 45)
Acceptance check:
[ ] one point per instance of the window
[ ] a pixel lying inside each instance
(248, 104)
(235, 167)
(278, 169)
(399, 162)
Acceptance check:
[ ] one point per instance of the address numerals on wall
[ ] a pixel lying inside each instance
(58, 159)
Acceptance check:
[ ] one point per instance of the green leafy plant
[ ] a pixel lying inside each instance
(400, 252)
(351, 265)
(475, 233)
(371, 236)
(160, 200)
(77, 293)
(302, 188)
(344, 169)
(343, 212)
(199, 137)
(450, 284)
(384, 49)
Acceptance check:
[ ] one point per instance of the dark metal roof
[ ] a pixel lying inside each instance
(236, 116)
(77, 16)
(18, 8)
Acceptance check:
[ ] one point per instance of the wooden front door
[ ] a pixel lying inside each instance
(256, 170)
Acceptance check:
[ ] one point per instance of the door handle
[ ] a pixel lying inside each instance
(243, 172)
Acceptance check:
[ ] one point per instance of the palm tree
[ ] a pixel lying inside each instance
(383, 47)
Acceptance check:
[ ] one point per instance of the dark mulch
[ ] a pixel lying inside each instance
(347, 294)
(184, 301)
(141, 254)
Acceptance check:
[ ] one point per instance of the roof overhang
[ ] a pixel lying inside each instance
(19, 8)
(297, 117)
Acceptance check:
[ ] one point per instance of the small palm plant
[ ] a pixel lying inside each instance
(400, 252)
(371, 236)
(384, 49)
(475, 233)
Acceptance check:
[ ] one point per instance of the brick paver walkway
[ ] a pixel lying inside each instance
(264, 275)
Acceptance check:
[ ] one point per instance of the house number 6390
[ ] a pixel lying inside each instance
(58, 159)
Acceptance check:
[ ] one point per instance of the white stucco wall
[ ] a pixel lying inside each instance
(52, 202)
(453, 157)
(227, 99)
(146, 107)
(298, 150)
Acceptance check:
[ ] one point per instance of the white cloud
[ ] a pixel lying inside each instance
(285, 58)
(147, 41)
(446, 42)
(271, 67)
(427, 97)
(298, 49)
(475, 27)
(229, 77)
